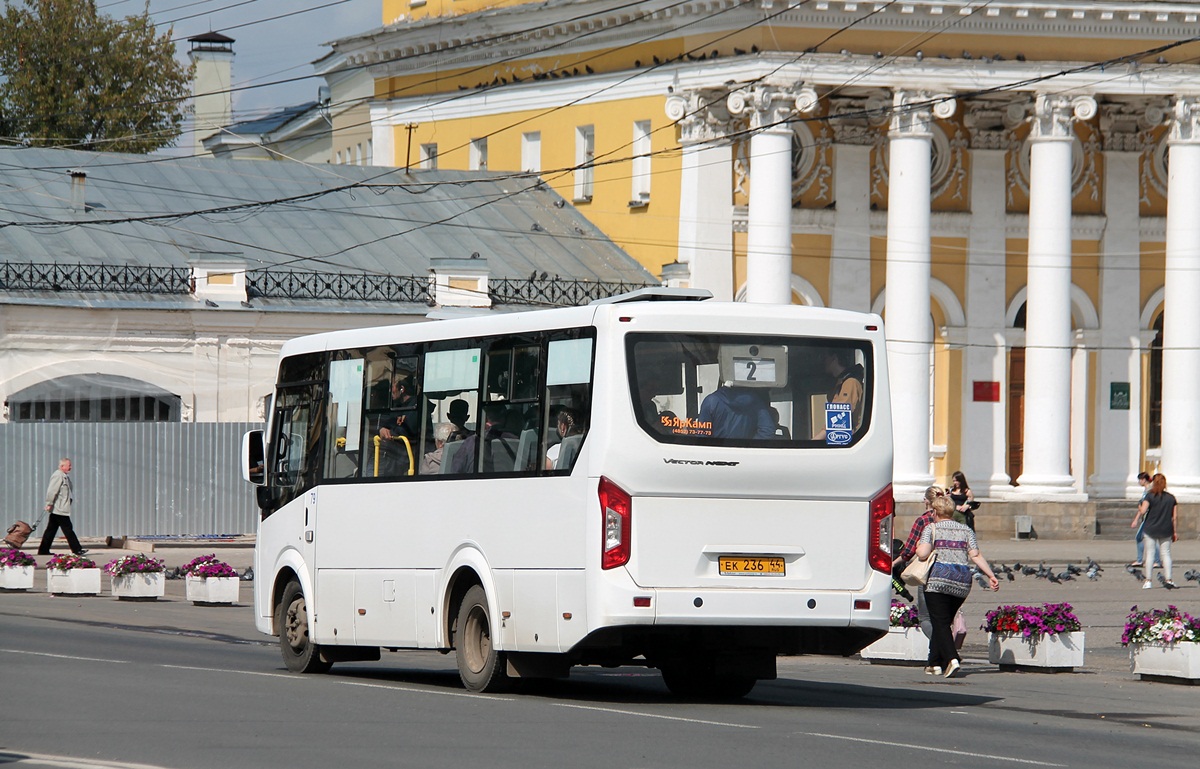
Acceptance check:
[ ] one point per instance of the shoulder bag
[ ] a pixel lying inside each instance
(917, 571)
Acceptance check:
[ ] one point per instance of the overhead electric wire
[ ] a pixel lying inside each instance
(252, 204)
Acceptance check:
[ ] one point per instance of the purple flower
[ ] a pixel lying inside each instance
(1032, 621)
(14, 558)
(206, 566)
(138, 563)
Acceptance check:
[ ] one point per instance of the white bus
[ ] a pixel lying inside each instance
(654, 480)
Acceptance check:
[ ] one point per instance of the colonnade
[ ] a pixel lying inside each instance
(1054, 350)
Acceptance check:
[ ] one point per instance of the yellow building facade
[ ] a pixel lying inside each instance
(1015, 186)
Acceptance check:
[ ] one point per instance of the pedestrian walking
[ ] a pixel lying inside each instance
(60, 496)
(1159, 510)
(1139, 519)
(909, 550)
(949, 581)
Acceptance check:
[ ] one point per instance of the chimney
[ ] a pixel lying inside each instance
(78, 186)
(212, 101)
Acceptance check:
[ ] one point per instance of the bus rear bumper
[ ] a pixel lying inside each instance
(787, 608)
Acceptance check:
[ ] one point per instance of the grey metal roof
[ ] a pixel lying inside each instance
(142, 211)
(272, 122)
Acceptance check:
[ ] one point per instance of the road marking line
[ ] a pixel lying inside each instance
(390, 687)
(62, 656)
(66, 762)
(489, 697)
(963, 753)
(226, 670)
(655, 715)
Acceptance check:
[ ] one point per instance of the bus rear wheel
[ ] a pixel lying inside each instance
(300, 654)
(480, 666)
(696, 682)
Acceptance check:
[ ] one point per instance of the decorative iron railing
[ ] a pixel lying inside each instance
(297, 284)
(24, 276)
(556, 291)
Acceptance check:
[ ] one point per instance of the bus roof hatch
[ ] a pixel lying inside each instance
(658, 294)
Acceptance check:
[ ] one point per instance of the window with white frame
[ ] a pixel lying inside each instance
(478, 160)
(358, 154)
(585, 155)
(531, 151)
(641, 163)
(429, 157)
(370, 152)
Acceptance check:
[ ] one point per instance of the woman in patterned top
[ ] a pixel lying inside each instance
(949, 581)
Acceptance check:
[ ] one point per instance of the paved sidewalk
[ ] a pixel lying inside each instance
(1101, 604)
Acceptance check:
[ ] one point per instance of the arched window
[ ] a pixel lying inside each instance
(93, 398)
(1154, 389)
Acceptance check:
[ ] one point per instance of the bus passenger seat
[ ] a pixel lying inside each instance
(448, 452)
(568, 452)
(525, 451)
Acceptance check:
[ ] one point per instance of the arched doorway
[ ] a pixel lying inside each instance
(1016, 403)
(1154, 387)
(93, 398)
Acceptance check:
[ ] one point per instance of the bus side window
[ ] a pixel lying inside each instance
(343, 421)
(568, 401)
(511, 409)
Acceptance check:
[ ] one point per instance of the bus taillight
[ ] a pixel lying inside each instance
(879, 535)
(617, 508)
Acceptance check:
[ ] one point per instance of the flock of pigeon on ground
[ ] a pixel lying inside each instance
(1071, 572)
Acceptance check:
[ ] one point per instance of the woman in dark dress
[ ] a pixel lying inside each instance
(1159, 530)
(963, 499)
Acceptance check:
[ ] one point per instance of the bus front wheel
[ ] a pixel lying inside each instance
(300, 654)
(480, 666)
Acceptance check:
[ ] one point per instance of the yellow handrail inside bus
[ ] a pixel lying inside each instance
(412, 468)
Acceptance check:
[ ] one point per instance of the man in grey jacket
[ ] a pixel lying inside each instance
(59, 497)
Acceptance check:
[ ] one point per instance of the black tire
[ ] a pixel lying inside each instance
(694, 682)
(300, 654)
(480, 666)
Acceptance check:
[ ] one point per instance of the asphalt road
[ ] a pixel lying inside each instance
(93, 682)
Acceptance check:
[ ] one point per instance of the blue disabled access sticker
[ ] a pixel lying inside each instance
(837, 424)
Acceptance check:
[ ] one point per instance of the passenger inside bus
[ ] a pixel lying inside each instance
(737, 412)
(494, 415)
(561, 456)
(458, 414)
(847, 382)
(400, 428)
(431, 463)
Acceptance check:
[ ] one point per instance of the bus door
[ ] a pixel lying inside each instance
(295, 463)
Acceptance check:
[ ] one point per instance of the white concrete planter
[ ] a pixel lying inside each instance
(1178, 661)
(16, 577)
(209, 590)
(900, 645)
(1061, 652)
(73, 581)
(139, 587)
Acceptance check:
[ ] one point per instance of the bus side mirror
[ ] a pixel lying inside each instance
(268, 498)
(254, 458)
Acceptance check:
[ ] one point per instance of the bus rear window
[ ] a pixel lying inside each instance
(739, 390)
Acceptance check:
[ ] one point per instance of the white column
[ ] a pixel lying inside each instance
(1117, 430)
(983, 439)
(850, 265)
(908, 324)
(1046, 470)
(705, 191)
(383, 136)
(769, 233)
(1181, 307)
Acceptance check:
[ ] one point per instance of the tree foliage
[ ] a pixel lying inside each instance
(70, 76)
